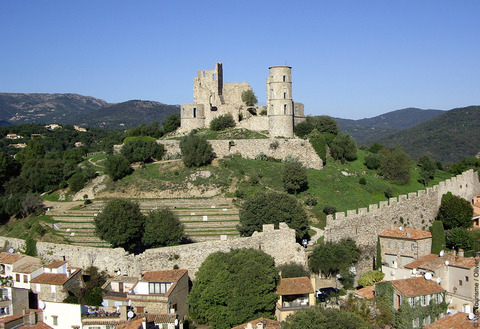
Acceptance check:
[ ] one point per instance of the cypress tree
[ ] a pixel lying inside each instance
(378, 265)
(438, 236)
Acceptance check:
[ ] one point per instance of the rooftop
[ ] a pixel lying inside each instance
(433, 262)
(268, 324)
(27, 268)
(56, 264)
(406, 233)
(458, 321)
(54, 278)
(8, 258)
(163, 276)
(366, 292)
(294, 286)
(132, 324)
(417, 287)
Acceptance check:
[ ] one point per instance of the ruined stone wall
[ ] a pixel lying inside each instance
(280, 244)
(232, 92)
(257, 123)
(417, 210)
(250, 148)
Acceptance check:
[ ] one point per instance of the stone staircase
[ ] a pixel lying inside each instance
(204, 219)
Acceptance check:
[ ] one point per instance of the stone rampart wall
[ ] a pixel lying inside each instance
(280, 244)
(250, 148)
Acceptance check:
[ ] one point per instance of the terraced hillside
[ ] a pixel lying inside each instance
(204, 219)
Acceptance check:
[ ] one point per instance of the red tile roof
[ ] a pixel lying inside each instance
(416, 287)
(158, 317)
(39, 325)
(433, 262)
(366, 292)
(11, 318)
(132, 324)
(268, 324)
(27, 268)
(294, 286)
(418, 263)
(53, 278)
(56, 264)
(406, 233)
(163, 276)
(458, 321)
(8, 258)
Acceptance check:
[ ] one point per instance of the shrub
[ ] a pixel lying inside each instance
(263, 112)
(293, 270)
(370, 277)
(319, 144)
(311, 200)
(438, 237)
(372, 161)
(362, 181)
(344, 147)
(294, 177)
(249, 98)
(329, 210)
(388, 192)
(222, 122)
(196, 151)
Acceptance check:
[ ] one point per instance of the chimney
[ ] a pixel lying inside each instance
(32, 319)
(461, 253)
(260, 325)
(409, 235)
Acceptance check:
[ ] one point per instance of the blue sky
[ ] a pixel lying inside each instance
(350, 59)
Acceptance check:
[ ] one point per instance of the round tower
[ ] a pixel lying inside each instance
(280, 101)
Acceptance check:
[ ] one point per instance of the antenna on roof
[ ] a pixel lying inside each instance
(442, 253)
(428, 276)
(439, 280)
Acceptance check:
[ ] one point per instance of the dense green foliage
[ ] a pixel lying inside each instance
(117, 167)
(427, 169)
(319, 144)
(141, 150)
(370, 277)
(323, 124)
(464, 165)
(294, 177)
(233, 288)
(395, 165)
(249, 98)
(121, 224)
(373, 161)
(378, 258)
(459, 238)
(292, 270)
(438, 237)
(222, 122)
(171, 123)
(321, 318)
(343, 147)
(196, 151)
(30, 247)
(331, 258)
(455, 212)
(162, 228)
(91, 294)
(151, 130)
(272, 208)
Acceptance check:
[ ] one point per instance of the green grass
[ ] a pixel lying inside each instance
(232, 133)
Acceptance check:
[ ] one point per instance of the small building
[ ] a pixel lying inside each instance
(13, 136)
(458, 321)
(294, 294)
(52, 126)
(260, 323)
(11, 262)
(402, 245)
(116, 290)
(78, 128)
(365, 292)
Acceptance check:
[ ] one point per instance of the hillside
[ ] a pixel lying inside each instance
(45, 108)
(447, 138)
(382, 125)
(128, 114)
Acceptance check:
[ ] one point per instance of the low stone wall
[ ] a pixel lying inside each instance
(277, 148)
(280, 244)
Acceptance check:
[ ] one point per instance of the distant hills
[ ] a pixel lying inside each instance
(365, 130)
(80, 110)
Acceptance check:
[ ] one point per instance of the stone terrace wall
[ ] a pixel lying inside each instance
(417, 210)
(250, 148)
(280, 244)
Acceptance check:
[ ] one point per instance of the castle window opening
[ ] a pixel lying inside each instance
(252, 111)
(194, 112)
(213, 108)
(214, 77)
(284, 108)
(284, 78)
(284, 95)
(204, 74)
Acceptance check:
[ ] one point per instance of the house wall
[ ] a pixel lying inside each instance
(179, 296)
(457, 274)
(68, 315)
(404, 248)
(19, 300)
(152, 303)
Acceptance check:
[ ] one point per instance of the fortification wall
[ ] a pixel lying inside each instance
(415, 210)
(257, 123)
(280, 244)
(232, 92)
(250, 148)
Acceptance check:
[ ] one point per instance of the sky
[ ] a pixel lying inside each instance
(350, 59)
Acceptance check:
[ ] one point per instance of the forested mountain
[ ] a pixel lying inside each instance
(372, 128)
(447, 138)
(45, 108)
(128, 114)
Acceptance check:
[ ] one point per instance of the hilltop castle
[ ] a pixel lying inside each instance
(212, 98)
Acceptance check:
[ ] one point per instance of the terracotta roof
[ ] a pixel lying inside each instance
(416, 287)
(406, 233)
(366, 292)
(123, 278)
(11, 318)
(418, 263)
(158, 317)
(8, 258)
(115, 295)
(294, 286)
(27, 268)
(433, 262)
(458, 321)
(53, 278)
(56, 264)
(39, 325)
(163, 276)
(268, 324)
(132, 324)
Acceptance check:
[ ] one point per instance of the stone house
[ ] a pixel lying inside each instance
(260, 323)
(13, 300)
(402, 245)
(11, 264)
(294, 294)
(57, 281)
(23, 274)
(417, 291)
(162, 292)
(116, 290)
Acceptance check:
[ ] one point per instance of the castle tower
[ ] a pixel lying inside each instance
(280, 105)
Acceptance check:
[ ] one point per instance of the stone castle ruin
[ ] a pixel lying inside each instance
(212, 98)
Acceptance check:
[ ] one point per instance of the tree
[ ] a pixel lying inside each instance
(294, 177)
(117, 167)
(319, 144)
(32, 204)
(455, 212)
(162, 228)
(325, 257)
(222, 122)
(378, 262)
(372, 161)
(292, 270)
(375, 148)
(459, 238)
(142, 150)
(325, 124)
(427, 169)
(196, 151)
(9, 167)
(321, 318)
(233, 288)
(121, 224)
(77, 181)
(272, 208)
(302, 129)
(438, 237)
(370, 277)
(171, 123)
(30, 247)
(395, 165)
(344, 147)
(249, 98)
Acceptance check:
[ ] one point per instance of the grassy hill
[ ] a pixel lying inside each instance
(448, 137)
(382, 125)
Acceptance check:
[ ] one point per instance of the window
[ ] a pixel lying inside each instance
(413, 246)
(55, 320)
(17, 277)
(396, 244)
(403, 245)
(424, 300)
(466, 278)
(460, 282)
(284, 78)
(194, 112)
(284, 95)
(25, 279)
(284, 108)
(389, 244)
(158, 287)
(52, 289)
